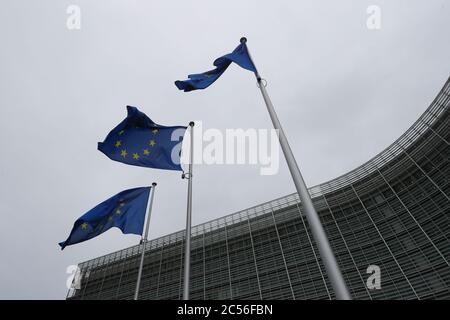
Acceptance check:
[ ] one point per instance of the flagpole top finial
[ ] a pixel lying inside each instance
(154, 184)
(191, 123)
(243, 40)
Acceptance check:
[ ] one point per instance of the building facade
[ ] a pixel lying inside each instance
(392, 212)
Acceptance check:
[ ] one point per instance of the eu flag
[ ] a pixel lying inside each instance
(125, 210)
(239, 56)
(139, 141)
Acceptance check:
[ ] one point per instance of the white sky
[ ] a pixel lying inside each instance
(343, 93)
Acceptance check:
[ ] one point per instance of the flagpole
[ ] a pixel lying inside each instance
(143, 242)
(317, 230)
(187, 247)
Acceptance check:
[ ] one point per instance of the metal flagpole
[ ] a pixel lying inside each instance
(187, 247)
(143, 242)
(317, 230)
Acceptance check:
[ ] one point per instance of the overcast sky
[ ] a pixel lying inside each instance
(343, 93)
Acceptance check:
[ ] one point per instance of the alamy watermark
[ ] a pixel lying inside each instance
(73, 21)
(374, 280)
(373, 21)
(74, 279)
(232, 147)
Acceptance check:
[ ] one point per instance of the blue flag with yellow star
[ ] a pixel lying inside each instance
(139, 141)
(125, 210)
(240, 56)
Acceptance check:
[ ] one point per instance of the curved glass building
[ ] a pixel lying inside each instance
(392, 212)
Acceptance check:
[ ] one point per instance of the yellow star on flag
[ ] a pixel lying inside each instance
(124, 153)
(155, 131)
(146, 152)
(121, 132)
(118, 211)
(152, 142)
(118, 143)
(135, 156)
(84, 225)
